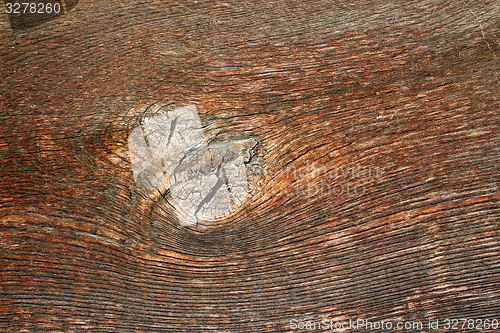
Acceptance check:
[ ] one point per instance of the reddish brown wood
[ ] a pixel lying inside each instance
(407, 94)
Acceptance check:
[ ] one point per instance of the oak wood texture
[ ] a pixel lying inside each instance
(378, 134)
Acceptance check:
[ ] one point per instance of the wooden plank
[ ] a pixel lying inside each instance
(373, 186)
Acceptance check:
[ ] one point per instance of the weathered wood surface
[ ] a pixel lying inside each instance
(406, 93)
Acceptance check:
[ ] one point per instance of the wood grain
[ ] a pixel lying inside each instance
(378, 191)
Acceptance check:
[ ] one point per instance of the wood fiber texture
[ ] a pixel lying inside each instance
(377, 198)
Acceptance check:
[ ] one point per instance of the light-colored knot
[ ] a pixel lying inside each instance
(206, 181)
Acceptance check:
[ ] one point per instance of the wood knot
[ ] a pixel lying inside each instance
(204, 181)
